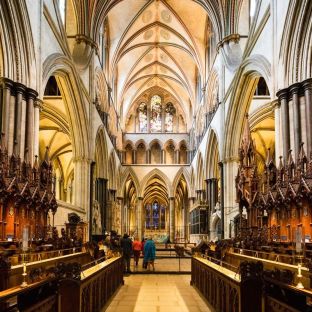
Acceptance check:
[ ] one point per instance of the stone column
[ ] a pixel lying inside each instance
(139, 218)
(7, 86)
(283, 98)
(17, 147)
(214, 192)
(307, 86)
(277, 121)
(134, 158)
(29, 144)
(148, 160)
(222, 198)
(11, 121)
(177, 154)
(37, 108)
(294, 89)
(186, 220)
(172, 219)
(163, 156)
(81, 183)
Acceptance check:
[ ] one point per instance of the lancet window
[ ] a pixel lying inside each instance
(155, 216)
(156, 116)
(143, 117)
(156, 112)
(170, 112)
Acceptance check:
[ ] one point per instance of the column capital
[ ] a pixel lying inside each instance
(19, 87)
(171, 198)
(282, 94)
(7, 83)
(39, 104)
(140, 198)
(31, 94)
(307, 84)
(275, 104)
(294, 89)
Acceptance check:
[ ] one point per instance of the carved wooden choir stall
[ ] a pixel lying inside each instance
(277, 202)
(26, 196)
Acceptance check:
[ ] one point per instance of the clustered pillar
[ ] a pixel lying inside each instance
(18, 127)
(290, 98)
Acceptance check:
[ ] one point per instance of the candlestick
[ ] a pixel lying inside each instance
(299, 275)
(24, 284)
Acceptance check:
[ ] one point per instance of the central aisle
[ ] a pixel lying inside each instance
(157, 293)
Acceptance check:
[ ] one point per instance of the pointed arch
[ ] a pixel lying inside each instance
(101, 154)
(112, 176)
(60, 66)
(200, 172)
(126, 174)
(244, 85)
(212, 155)
(156, 173)
(182, 173)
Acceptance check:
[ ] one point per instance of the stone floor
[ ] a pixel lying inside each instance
(165, 265)
(157, 293)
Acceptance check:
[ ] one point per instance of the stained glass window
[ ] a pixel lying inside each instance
(155, 216)
(170, 111)
(143, 117)
(156, 113)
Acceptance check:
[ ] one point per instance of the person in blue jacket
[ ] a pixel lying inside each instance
(149, 253)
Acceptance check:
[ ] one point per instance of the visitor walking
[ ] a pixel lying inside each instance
(126, 248)
(137, 247)
(149, 253)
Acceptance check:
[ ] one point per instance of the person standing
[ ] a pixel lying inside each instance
(137, 247)
(126, 248)
(149, 253)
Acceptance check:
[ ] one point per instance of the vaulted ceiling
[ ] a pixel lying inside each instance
(156, 43)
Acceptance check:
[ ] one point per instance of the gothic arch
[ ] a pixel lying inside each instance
(212, 155)
(185, 174)
(61, 66)
(199, 172)
(125, 175)
(101, 154)
(156, 173)
(251, 69)
(101, 89)
(142, 141)
(112, 176)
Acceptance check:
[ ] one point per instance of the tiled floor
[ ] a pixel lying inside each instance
(157, 293)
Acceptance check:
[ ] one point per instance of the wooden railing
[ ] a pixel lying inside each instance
(70, 290)
(226, 290)
(98, 283)
(40, 296)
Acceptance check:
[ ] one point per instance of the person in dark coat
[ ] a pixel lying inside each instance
(126, 248)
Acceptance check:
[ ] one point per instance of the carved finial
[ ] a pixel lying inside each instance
(46, 156)
(36, 164)
(290, 160)
(246, 136)
(269, 157)
(3, 143)
(280, 165)
(302, 155)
